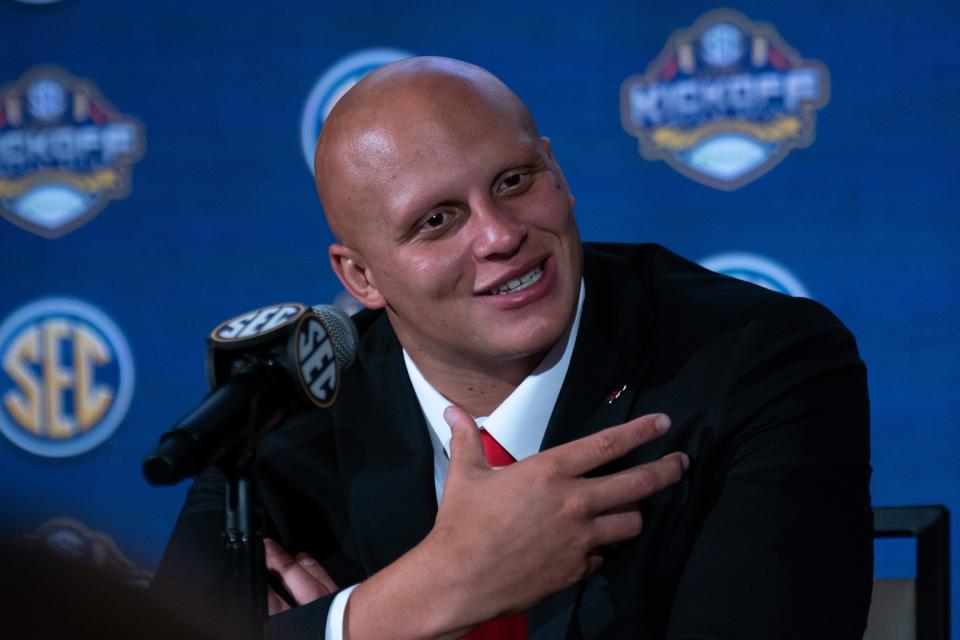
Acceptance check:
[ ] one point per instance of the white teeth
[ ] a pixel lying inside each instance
(521, 283)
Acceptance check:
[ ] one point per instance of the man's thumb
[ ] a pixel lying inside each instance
(465, 444)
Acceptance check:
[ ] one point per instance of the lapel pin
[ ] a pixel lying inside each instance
(614, 395)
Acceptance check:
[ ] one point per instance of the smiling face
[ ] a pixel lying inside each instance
(452, 214)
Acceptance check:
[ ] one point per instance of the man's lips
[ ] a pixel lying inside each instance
(521, 289)
(519, 284)
(516, 280)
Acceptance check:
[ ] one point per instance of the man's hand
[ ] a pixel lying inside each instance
(531, 529)
(302, 577)
(506, 538)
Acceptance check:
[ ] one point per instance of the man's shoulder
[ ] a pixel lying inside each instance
(666, 278)
(685, 298)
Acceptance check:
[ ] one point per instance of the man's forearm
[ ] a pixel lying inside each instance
(421, 595)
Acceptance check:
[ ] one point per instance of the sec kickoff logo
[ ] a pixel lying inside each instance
(725, 101)
(756, 269)
(65, 152)
(67, 377)
(331, 86)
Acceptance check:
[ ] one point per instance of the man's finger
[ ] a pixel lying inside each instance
(466, 447)
(275, 604)
(296, 579)
(632, 485)
(316, 570)
(580, 456)
(616, 527)
(275, 555)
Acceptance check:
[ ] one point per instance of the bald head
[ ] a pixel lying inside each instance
(391, 118)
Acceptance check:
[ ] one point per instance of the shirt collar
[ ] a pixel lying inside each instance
(520, 421)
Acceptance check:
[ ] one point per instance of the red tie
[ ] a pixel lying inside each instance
(508, 627)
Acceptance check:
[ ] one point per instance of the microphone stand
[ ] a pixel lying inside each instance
(256, 405)
(246, 589)
(243, 548)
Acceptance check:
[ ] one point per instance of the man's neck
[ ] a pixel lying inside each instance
(478, 390)
(479, 387)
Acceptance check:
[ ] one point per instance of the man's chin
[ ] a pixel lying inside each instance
(536, 343)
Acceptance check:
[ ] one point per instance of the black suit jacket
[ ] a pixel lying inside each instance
(767, 536)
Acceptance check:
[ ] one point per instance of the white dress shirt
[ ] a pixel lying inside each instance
(518, 424)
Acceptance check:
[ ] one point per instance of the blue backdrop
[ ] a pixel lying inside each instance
(153, 183)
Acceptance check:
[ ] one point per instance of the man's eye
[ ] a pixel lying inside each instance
(512, 181)
(436, 220)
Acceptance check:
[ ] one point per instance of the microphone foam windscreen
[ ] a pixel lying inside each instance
(342, 332)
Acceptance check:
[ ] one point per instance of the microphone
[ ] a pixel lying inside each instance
(261, 366)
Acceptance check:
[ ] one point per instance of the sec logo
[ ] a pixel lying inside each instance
(725, 101)
(65, 151)
(256, 323)
(67, 377)
(319, 373)
(758, 270)
(331, 86)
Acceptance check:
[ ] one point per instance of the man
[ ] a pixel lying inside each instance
(749, 516)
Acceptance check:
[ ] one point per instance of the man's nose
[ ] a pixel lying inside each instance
(498, 231)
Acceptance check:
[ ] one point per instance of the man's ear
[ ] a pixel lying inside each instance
(557, 171)
(356, 277)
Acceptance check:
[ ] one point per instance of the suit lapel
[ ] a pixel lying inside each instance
(381, 433)
(607, 355)
(608, 362)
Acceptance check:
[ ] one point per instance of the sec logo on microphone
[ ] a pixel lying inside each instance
(257, 323)
(67, 377)
(316, 362)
